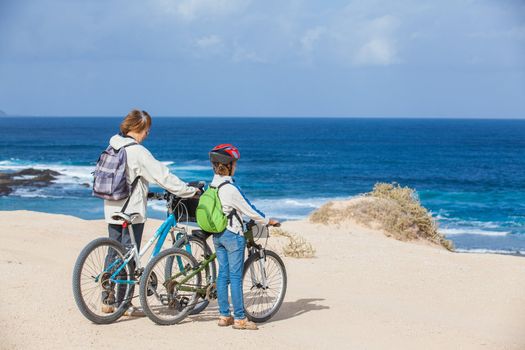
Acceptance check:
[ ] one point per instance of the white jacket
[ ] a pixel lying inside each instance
(232, 198)
(140, 162)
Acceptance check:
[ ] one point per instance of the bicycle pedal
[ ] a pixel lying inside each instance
(164, 299)
(208, 291)
(139, 272)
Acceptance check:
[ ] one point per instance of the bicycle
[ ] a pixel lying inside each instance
(105, 272)
(170, 301)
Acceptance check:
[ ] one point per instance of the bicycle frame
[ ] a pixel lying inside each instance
(159, 236)
(252, 249)
(198, 269)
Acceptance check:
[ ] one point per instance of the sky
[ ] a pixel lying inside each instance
(365, 58)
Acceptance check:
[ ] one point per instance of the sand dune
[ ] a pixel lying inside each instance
(362, 291)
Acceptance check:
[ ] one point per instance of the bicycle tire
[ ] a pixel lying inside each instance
(84, 273)
(253, 290)
(170, 302)
(209, 272)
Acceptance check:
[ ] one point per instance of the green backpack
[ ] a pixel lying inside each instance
(210, 216)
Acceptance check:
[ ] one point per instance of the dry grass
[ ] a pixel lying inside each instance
(328, 214)
(395, 209)
(297, 246)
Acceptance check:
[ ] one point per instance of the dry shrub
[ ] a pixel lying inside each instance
(297, 246)
(278, 232)
(395, 209)
(325, 214)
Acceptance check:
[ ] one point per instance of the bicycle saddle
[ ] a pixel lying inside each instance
(201, 234)
(124, 217)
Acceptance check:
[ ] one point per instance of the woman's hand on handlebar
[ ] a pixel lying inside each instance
(198, 192)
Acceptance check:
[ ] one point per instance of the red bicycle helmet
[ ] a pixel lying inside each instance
(224, 153)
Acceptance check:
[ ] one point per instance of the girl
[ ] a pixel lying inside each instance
(230, 244)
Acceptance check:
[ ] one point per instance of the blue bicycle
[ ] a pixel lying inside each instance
(106, 272)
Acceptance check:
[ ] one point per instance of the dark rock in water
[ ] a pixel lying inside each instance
(26, 178)
(4, 191)
(36, 172)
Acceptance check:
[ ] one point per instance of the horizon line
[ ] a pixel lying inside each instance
(269, 117)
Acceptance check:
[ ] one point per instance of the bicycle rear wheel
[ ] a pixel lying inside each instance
(264, 286)
(200, 250)
(98, 299)
(167, 299)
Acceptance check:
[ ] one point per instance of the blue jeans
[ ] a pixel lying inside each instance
(230, 247)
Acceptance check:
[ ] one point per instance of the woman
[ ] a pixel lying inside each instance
(133, 131)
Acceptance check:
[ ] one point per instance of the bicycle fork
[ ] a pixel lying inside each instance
(263, 283)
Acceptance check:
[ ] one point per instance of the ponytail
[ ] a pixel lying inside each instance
(136, 121)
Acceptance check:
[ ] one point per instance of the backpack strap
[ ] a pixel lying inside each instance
(234, 212)
(133, 185)
(224, 183)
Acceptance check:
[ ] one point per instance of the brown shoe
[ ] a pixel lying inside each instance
(225, 321)
(108, 309)
(244, 324)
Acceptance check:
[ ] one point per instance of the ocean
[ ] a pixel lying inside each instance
(469, 173)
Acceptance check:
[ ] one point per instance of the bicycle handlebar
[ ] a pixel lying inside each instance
(252, 223)
(168, 195)
(157, 195)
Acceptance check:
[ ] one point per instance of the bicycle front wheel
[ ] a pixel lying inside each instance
(200, 250)
(98, 298)
(167, 299)
(264, 286)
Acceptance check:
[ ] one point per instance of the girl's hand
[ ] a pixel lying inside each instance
(274, 222)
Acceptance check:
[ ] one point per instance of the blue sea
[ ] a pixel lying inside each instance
(469, 173)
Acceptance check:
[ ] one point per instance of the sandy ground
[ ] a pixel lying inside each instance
(362, 291)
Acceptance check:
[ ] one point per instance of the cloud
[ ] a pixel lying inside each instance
(350, 34)
(380, 47)
(209, 41)
(376, 52)
(241, 54)
(352, 39)
(191, 10)
(209, 46)
(310, 38)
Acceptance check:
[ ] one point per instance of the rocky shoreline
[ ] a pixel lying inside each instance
(26, 178)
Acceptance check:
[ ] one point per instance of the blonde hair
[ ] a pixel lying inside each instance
(136, 121)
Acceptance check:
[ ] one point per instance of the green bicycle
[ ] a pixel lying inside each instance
(186, 282)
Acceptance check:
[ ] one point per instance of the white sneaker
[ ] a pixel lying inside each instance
(133, 311)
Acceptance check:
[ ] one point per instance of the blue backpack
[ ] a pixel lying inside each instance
(110, 175)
